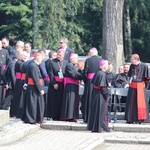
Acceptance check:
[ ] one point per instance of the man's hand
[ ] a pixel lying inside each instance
(55, 86)
(42, 92)
(6, 86)
(25, 86)
(126, 86)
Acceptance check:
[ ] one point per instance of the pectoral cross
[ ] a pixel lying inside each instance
(134, 76)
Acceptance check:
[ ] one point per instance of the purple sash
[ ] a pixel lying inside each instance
(70, 80)
(18, 75)
(47, 78)
(4, 67)
(97, 87)
(90, 75)
(58, 79)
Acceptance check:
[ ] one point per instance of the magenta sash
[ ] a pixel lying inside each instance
(4, 67)
(47, 78)
(90, 75)
(70, 80)
(97, 87)
(18, 75)
(58, 79)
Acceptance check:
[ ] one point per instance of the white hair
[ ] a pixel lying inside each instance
(19, 43)
(24, 53)
(93, 52)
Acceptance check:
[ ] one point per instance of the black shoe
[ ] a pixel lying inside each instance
(55, 119)
(129, 122)
(108, 130)
(72, 120)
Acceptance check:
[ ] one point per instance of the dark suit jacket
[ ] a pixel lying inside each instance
(67, 54)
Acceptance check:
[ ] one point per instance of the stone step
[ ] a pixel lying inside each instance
(120, 126)
(4, 117)
(120, 115)
(15, 130)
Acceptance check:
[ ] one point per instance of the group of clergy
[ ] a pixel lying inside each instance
(25, 75)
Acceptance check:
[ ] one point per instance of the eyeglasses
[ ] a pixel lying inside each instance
(3, 43)
(61, 42)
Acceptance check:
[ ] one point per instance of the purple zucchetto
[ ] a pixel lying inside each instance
(102, 63)
(73, 55)
(60, 50)
(93, 49)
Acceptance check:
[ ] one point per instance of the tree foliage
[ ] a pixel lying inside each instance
(140, 27)
(16, 19)
(60, 20)
(78, 20)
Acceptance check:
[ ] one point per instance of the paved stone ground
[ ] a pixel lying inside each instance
(76, 140)
(108, 146)
(15, 130)
(31, 137)
(56, 140)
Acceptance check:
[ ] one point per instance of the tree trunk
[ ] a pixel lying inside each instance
(35, 23)
(113, 32)
(127, 32)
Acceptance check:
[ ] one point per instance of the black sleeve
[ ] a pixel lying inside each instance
(113, 79)
(7, 58)
(73, 73)
(35, 77)
(12, 75)
(117, 82)
(104, 91)
(43, 69)
(85, 71)
(51, 73)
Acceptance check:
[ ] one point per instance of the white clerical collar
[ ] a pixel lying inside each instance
(65, 48)
(138, 63)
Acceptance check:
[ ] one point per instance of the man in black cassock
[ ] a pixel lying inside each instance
(52, 55)
(9, 79)
(97, 121)
(111, 82)
(63, 43)
(34, 108)
(15, 109)
(122, 79)
(110, 75)
(136, 105)
(56, 86)
(4, 60)
(70, 104)
(90, 68)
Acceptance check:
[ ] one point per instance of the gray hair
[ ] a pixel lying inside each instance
(19, 43)
(94, 52)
